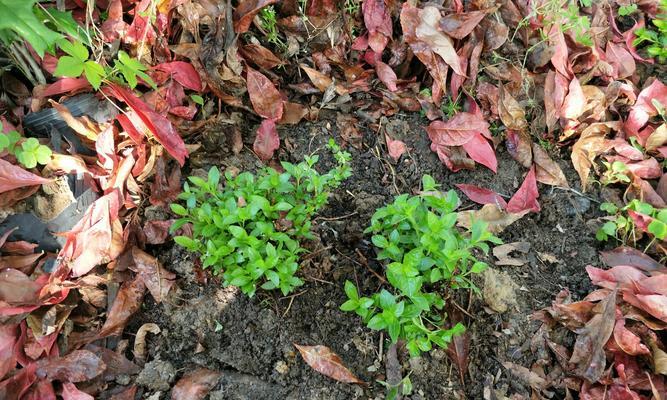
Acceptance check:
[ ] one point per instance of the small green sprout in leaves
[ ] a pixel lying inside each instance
(616, 172)
(621, 226)
(132, 68)
(450, 107)
(655, 40)
(249, 230)
(404, 387)
(425, 255)
(29, 153)
(627, 9)
(269, 21)
(197, 99)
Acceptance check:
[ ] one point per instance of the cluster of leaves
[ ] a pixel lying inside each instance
(629, 223)
(28, 152)
(655, 40)
(426, 255)
(20, 18)
(250, 230)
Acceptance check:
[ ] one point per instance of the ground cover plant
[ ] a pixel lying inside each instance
(144, 148)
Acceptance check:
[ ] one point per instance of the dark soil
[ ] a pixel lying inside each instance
(251, 340)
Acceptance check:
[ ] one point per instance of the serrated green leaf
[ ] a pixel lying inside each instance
(18, 16)
(94, 73)
(69, 66)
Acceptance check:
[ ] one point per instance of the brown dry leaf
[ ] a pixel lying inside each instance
(429, 33)
(502, 253)
(458, 351)
(195, 385)
(347, 125)
(77, 366)
(657, 138)
(526, 376)
(659, 358)
(496, 218)
(591, 144)
(547, 170)
(588, 353)
(139, 350)
(518, 144)
(511, 112)
(156, 278)
(323, 360)
(460, 25)
(499, 291)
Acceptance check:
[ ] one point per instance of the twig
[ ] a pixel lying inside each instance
(335, 218)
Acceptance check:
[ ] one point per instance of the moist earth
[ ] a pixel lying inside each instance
(250, 340)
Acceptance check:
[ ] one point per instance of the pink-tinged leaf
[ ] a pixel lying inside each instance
(267, 140)
(15, 387)
(458, 351)
(387, 75)
(625, 255)
(625, 149)
(160, 126)
(429, 33)
(114, 27)
(654, 304)
(646, 169)
(518, 145)
(246, 11)
(573, 105)
(621, 60)
(183, 73)
(480, 150)
(395, 148)
(644, 191)
(610, 278)
(559, 59)
(326, 362)
(458, 130)
(656, 284)
(260, 55)
(378, 23)
(64, 85)
(555, 90)
(461, 25)
(482, 195)
(266, 99)
(630, 37)
(13, 177)
(454, 157)
(77, 366)
(547, 171)
(628, 341)
(42, 390)
(70, 392)
(195, 385)
(644, 108)
(526, 197)
(9, 334)
(640, 220)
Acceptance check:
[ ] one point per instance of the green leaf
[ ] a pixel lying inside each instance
(68, 66)
(214, 177)
(94, 73)
(658, 229)
(17, 16)
(478, 267)
(349, 305)
(27, 159)
(4, 140)
(178, 209)
(62, 21)
(197, 99)
(185, 242)
(74, 49)
(377, 323)
(380, 241)
(43, 154)
(351, 290)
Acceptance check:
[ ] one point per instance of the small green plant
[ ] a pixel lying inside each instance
(616, 172)
(626, 10)
(76, 63)
(404, 387)
(655, 40)
(425, 255)
(28, 152)
(566, 14)
(250, 230)
(450, 106)
(269, 20)
(351, 7)
(621, 226)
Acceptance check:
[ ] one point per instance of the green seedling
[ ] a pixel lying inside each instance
(655, 40)
(621, 226)
(425, 255)
(616, 172)
(28, 152)
(269, 22)
(249, 230)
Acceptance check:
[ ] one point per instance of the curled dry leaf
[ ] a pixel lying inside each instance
(139, 350)
(195, 385)
(496, 218)
(377, 20)
(518, 144)
(70, 392)
(246, 11)
(323, 360)
(458, 351)
(591, 143)
(267, 140)
(13, 177)
(511, 112)
(525, 199)
(644, 107)
(555, 90)
(387, 75)
(460, 25)
(156, 278)
(395, 148)
(429, 33)
(526, 376)
(503, 251)
(547, 170)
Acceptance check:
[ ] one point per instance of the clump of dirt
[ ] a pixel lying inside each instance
(251, 340)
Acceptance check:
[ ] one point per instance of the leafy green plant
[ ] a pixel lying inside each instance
(250, 230)
(269, 22)
(655, 40)
(76, 63)
(18, 19)
(425, 255)
(450, 106)
(28, 152)
(627, 9)
(621, 226)
(616, 172)
(404, 387)
(565, 14)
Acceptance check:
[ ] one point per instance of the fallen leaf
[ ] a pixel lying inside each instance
(429, 33)
(555, 90)
(8, 337)
(560, 56)
(591, 143)
(574, 102)
(13, 177)
(387, 75)
(495, 217)
(127, 302)
(479, 149)
(157, 279)
(621, 60)
(265, 98)
(183, 73)
(323, 360)
(643, 109)
(511, 112)
(395, 148)
(482, 195)
(659, 359)
(460, 25)
(499, 290)
(246, 11)
(378, 23)
(657, 138)
(547, 171)
(15, 387)
(458, 130)
(77, 366)
(625, 255)
(65, 85)
(195, 385)
(525, 199)
(267, 140)
(519, 146)
(347, 125)
(260, 55)
(458, 352)
(588, 354)
(139, 349)
(627, 340)
(654, 304)
(70, 392)
(503, 251)
(526, 376)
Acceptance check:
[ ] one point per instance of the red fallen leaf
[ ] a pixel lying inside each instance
(127, 302)
(588, 353)
(266, 99)
(378, 23)
(41, 390)
(621, 60)
(166, 185)
(555, 89)
(461, 25)
(70, 392)
(573, 105)
(610, 278)
(656, 284)
(267, 140)
(260, 55)
(160, 126)
(559, 59)
(323, 360)
(386, 75)
(114, 27)
(519, 146)
(17, 386)
(482, 195)
(23, 263)
(547, 171)
(479, 149)
(8, 338)
(156, 278)
(654, 304)
(646, 169)
(627, 340)
(526, 197)
(458, 130)
(77, 366)
(195, 385)
(643, 190)
(13, 177)
(16, 288)
(429, 34)
(246, 11)
(457, 351)
(63, 85)
(117, 364)
(293, 113)
(20, 247)
(396, 148)
(643, 109)
(183, 73)
(157, 232)
(625, 255)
